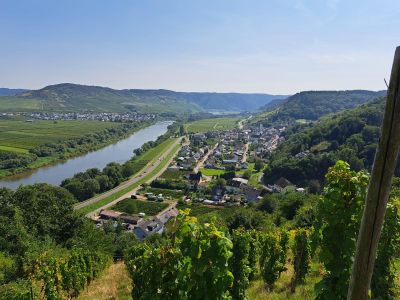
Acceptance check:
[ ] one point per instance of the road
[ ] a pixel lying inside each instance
(149, 168)
(205, 157)
(246, 150)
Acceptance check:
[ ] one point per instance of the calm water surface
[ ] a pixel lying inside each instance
(119, 152)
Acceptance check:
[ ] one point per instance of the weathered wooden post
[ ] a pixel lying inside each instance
(378, 190)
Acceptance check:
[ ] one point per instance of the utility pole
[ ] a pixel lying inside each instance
(378, 190)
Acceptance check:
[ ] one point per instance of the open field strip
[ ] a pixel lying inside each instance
(14, 149)
(127, 189)
(18, 135)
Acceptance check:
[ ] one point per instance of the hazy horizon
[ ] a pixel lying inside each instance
(279, 47)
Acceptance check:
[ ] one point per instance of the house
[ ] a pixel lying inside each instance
(233, 185)
(167, 215)
(218, 194)
(109, 215)
(133, 220)
(147, 228)
(250, 193)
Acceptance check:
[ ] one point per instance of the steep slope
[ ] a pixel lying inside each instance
(81, 97)
(311, 105)
(309, 150)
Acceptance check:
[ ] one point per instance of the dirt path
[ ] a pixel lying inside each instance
(114, 283)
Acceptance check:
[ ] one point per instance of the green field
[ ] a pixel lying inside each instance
(175, 174)
(211, 124)
(20, 136)
(96, 205)
(211, 172)
(132, 206)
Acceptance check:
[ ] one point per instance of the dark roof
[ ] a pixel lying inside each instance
(130, 219)
(195, 176)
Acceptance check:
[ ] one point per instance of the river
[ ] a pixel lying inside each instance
(120, 152)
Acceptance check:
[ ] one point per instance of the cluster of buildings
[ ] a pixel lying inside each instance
(140, 225)
(236, 192)
(264, 140)
(230, 152)
(105, 117)
(189, 156)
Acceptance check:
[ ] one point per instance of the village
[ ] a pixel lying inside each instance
(212, 169)
(87, 116)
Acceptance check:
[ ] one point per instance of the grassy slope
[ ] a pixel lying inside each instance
(118, 194)
(114, 283)
(258, 291)
(18, 136)
(211, 124)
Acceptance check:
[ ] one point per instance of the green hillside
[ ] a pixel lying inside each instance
(311, 105)
(310, 149)
(74, 97)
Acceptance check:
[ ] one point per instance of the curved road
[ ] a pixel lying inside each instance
(147, 169)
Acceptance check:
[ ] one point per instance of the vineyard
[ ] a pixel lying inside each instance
(198, 260)
(221, 254)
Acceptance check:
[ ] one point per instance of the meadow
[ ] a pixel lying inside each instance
(20, 136)
(211, 124)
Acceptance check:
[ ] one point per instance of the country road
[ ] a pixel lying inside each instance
(142, 173)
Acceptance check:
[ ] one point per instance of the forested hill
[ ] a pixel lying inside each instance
(11, 92)
(310, 149)
(311, 105)
(64, 97)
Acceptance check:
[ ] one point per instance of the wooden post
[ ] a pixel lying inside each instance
(32, 294)
(378, 190)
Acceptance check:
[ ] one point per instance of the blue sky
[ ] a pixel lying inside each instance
(277, 46)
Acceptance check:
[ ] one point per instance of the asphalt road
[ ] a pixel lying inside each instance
(148, 169)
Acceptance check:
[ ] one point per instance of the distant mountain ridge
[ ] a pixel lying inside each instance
(311, 105)
(68, 96)
(11, 92)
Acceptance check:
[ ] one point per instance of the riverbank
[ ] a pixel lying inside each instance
(70, 153)
(148, 173)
